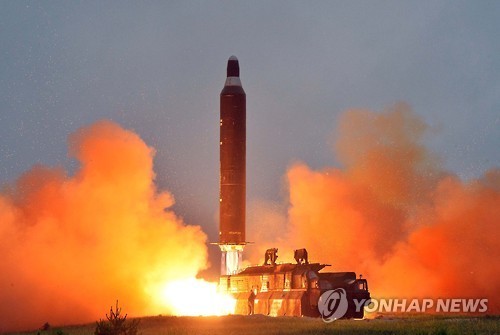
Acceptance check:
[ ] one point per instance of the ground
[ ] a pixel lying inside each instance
(258, 324)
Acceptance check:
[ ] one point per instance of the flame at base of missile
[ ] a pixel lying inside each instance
(231, 258)
(193, 297)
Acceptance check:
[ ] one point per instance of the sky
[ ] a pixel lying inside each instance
(157, 68)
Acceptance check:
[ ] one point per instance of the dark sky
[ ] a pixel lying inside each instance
(157, 67)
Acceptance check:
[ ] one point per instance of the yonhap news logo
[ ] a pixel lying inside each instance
(439, 305)
(333, 304)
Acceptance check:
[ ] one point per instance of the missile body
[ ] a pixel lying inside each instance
(232, 169)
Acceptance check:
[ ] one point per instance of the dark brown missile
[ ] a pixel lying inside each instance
(232, 157)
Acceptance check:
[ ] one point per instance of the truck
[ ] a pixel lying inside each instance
(292, 289)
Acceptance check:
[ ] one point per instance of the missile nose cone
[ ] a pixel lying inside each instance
(233, 68)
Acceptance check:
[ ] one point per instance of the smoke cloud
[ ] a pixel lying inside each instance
(393, 214)
(72, 245)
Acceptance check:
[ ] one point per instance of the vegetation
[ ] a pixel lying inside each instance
(262, 325)
(46, 329)
(116, 324)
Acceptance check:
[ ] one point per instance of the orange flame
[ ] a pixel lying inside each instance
(194, 297)
(71, 245)
(393, 214)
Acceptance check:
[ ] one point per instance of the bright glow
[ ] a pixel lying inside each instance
(193, 297)
(231, 258)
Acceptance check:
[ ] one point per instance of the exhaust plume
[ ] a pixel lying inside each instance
(72, 245)
(394, 215)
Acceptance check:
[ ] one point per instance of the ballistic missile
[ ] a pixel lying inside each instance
(232, 169)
